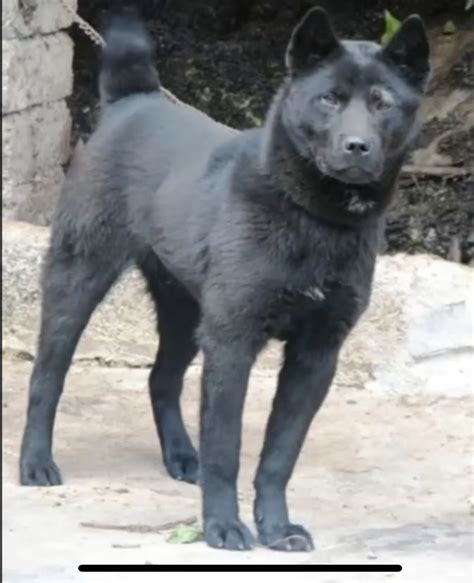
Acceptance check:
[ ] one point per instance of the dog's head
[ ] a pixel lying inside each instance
(350, 106)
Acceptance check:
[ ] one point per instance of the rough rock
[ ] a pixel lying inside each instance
(36, 77)
(416, 336)
(121, 330)
(35, 70)
(34, 140)
(418, 333)
(33, 201)
(22, 18)
(35, 145)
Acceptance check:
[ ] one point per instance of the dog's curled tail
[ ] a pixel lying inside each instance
(127, 60)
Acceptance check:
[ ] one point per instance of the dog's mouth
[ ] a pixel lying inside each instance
(346, 174)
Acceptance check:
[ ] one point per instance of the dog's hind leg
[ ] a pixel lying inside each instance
(74, 282)
(178, 317)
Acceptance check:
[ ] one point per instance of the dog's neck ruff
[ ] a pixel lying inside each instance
(322, 196)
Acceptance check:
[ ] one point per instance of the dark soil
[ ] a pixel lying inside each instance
(225, 57)
(433, 215)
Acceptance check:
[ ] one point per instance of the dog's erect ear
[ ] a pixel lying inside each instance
(409, 50)
(312, 40)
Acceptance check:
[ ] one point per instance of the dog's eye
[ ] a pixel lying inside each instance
(380, 99)
(330, 99)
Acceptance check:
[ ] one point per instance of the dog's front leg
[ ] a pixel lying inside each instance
(303, 384)
(226, 371)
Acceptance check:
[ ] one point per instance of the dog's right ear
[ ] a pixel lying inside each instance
(312, 40)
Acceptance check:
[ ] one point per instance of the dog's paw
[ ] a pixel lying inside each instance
(40, 471)
(232, 535)
(286, 537)
(183, 466)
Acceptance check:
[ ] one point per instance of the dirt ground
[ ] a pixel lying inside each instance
(383, 478)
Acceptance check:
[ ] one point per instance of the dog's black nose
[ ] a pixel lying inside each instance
(356, 146)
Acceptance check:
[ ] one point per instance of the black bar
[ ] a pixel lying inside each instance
(372, 568)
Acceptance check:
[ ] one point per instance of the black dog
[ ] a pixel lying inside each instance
(242, 237)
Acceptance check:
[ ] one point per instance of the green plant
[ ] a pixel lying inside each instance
(392, 24)
(449, 27)
(184, 534)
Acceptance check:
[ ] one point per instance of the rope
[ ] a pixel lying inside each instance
(86, 28)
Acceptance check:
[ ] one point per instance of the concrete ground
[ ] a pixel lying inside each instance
(383, 478)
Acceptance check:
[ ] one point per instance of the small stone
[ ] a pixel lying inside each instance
(430, 236)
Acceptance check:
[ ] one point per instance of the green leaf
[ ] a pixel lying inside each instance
(449, 27)
(391, 27)
(257, 121)
(469, 4)
(184, 534)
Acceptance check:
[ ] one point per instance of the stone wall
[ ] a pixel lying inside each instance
(37, 76)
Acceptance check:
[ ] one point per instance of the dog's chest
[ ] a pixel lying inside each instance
(291, 310)
(329, 282)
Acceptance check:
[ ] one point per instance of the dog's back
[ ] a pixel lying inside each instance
(143, 139)
(135, 108)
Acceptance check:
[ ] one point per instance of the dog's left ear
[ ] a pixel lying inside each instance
(312, 40)
(409, 51)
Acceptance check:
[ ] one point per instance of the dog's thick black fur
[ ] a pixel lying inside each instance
(242, 237)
